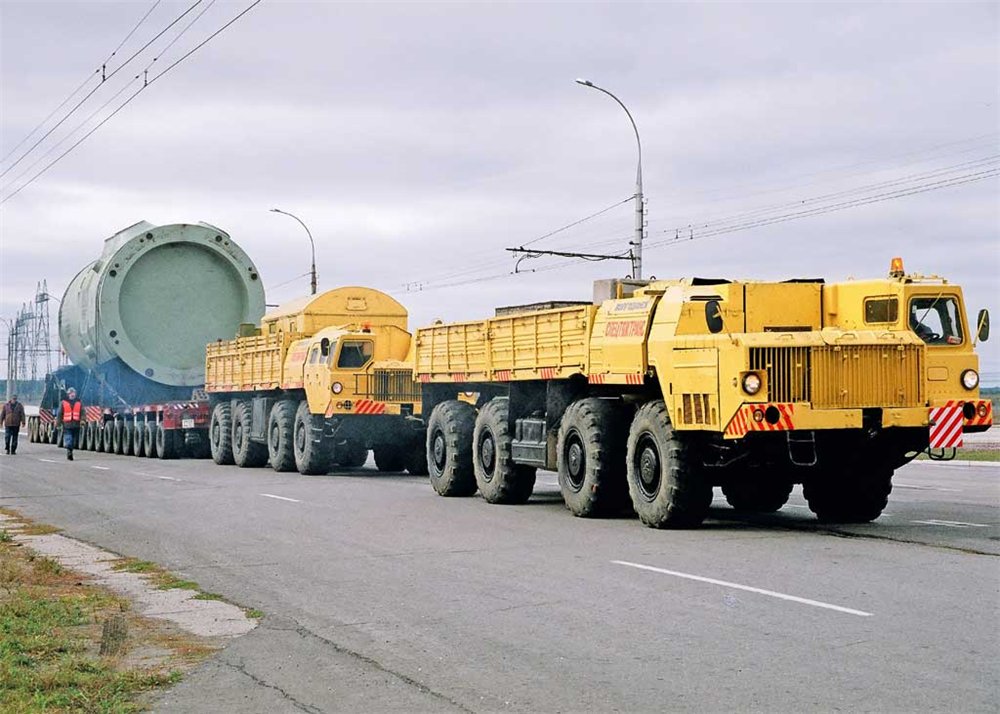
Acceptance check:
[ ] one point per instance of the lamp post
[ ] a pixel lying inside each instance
(639, 208)
(311, 243)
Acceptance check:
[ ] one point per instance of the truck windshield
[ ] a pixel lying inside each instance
(936, 319)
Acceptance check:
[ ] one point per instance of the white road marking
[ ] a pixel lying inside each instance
(101, 468)
(281, 498)
(167, 478)
(747, 588)
(49, 461)
(926, 488)
(951, 524)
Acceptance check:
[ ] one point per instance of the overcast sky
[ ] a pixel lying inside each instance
(418, 140)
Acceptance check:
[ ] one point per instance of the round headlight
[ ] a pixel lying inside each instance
(970, 379)
(751, 383)
(337, 387)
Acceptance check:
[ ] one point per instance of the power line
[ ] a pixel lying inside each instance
(910, 178)
(134, 95)
(863, 201)
(815, 211)
(94, 90)
(115, 96)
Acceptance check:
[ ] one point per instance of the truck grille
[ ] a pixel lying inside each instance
(842, 376)
(389, 385)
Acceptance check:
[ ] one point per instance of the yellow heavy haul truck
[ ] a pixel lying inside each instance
(653, 396)
(300, 391)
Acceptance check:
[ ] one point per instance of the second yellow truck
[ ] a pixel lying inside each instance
(656, 392)
(300, 391)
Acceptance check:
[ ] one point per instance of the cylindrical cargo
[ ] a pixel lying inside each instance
(156, 297)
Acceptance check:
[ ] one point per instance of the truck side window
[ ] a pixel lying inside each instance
(881, 309)
(355, 354)
(314, 355)
(936, 320)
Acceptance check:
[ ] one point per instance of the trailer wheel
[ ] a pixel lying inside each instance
(449, 448)
(499, 479)
(352, 454)
(590, 458)
(166, 443)
(149, 439)
(109, 436)
(246, 453)
(415, 457)
(855, 495)
(220, 434)
(280, 428)
(116, 437)
(31, 430)
(127, 449)
(312, 448)
(55, 434)
(665, 481)
(755, 492)
(138, 442)
(389, 458)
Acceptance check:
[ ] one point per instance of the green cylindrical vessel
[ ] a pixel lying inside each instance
(156, 297)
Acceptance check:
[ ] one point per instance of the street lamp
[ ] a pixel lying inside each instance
(639, 209)
(311, 243)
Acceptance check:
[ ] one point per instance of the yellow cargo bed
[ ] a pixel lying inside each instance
(246, 363)
(547, 344)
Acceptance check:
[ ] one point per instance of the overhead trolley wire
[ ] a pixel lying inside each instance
(104, 79)
(135, 94)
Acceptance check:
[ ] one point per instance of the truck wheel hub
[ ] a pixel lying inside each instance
(648, 467)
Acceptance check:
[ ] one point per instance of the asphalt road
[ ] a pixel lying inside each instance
(381, 596)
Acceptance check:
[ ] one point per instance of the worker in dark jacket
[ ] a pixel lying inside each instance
(70, 412)
(12, 416)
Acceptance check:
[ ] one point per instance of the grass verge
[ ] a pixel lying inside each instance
(50, 633)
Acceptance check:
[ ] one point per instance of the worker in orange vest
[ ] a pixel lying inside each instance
(70, 412)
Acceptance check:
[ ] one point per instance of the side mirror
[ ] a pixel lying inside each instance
(713, 316)
(324, 347)
(983, 325)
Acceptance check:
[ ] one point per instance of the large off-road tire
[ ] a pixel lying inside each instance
(415, 456)
(590, 458)
(139, 438)
(149, 439)
(311, 446)
(220, 433)
(449, 448)
(757, 492)
(246, 453)
(31, 430)
(166, 443)
(857, 494)
(55, 435)
(280, 429)
(665, 480)
(389, 457)
(86, 438)
(351, 454)
(499, 479)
